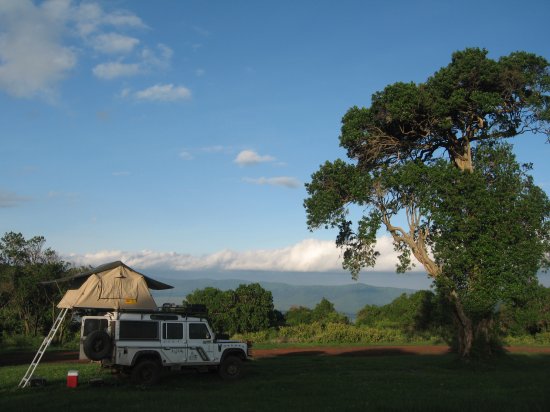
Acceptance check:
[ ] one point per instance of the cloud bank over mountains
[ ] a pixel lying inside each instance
(309, 255)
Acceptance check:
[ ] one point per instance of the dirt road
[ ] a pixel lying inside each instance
(20, 358)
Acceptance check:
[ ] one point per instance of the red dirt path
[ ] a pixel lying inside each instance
(18, 358)
(377, 350)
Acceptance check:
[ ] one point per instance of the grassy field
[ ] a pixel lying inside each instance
(301, 383)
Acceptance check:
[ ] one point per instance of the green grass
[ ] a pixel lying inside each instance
(301, 383)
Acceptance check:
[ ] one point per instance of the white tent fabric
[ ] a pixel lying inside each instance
(118, 288)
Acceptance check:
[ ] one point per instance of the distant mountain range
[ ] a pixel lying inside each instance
(301, 288)
(348, 299)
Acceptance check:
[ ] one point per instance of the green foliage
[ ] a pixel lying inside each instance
(219, 304)
(337, 333)
(532, 317)
(419, 316)
(297, 315)
(539, 339)
(26, 306)
(20, 342)
(475, 219)
(493, 240)
(473, 98)
(323, 312)
(249, 308)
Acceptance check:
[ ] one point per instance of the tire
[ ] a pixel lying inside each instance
(97, 345)
(146, 372)
(230, 368)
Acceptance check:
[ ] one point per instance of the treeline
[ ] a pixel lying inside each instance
(419, 317)
(28, 308)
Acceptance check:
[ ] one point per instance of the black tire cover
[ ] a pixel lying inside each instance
(97, 345)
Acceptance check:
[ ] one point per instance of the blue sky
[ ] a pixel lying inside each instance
(179, 134)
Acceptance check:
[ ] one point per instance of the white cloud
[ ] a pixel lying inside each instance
(90, 18)
(284, 181)
(10, 199)
(32, 58)
(70, 196)
(158, 58)
(185, 155)
(123, 18)
(310, 255)
(200, 30)
(113, 70)
(214, 149)
(114, 43)
(250, 157)
(163, 93)
(38, 49)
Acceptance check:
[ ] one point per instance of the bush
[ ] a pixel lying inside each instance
(542, 338)
(335, 333)
(21, 342)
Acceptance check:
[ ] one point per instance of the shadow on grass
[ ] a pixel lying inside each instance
(356, 352)
(25, 358)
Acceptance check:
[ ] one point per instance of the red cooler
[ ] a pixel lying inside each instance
(72, 379)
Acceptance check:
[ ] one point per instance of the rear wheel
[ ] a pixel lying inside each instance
(97, 345)
(146, 372)
(230, 368)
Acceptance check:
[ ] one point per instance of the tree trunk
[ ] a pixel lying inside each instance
(483, 336)
(464, 325)
(462, 156)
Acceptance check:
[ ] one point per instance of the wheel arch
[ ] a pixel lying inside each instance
(233, 352)
(146, 354)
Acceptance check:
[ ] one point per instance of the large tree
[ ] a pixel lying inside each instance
(413, 160)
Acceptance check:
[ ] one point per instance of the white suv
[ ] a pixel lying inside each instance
(142, 344)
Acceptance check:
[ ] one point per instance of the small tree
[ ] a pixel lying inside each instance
(297, 315)
(219, 303)
(325, 311)
(254, 309)
(249, 308)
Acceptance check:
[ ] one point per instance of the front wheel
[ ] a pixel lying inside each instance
(230, 368)
(146, 372)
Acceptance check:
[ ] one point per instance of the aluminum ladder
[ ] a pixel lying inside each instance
(45, 343)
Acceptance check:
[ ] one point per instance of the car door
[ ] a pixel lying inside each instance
(173, 342)
(200, 343)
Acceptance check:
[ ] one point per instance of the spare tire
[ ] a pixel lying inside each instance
(97, 345)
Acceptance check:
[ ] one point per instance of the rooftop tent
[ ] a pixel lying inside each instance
(111, 286)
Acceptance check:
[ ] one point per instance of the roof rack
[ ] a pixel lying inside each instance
(187, 310)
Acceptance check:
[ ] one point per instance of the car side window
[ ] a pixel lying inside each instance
(172, 330)
(198, 331)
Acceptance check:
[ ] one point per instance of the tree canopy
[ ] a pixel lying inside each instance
(24, 303)
(249, 308)
(473, 98)
(429, 154)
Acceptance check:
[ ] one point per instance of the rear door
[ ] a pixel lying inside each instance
(173, 341)
(89, 325)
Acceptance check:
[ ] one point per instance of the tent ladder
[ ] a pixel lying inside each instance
(45, 343)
